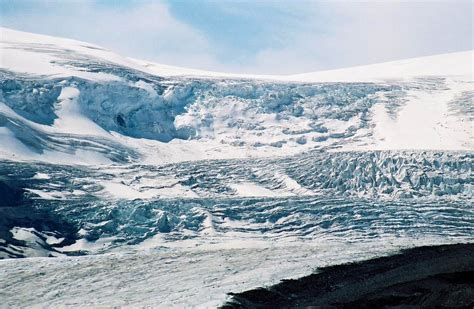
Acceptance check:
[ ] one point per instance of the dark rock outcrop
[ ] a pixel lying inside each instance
(424, 277)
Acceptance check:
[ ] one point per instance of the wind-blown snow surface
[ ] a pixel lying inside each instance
(181, 185)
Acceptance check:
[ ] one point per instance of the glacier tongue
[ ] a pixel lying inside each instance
(183, 185)
(188, 224)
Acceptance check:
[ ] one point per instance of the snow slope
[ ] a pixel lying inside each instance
(458, 64)
(38, 53)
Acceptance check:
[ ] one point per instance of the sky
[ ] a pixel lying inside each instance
(254, 36)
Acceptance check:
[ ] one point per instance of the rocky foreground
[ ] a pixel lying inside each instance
(426, 277)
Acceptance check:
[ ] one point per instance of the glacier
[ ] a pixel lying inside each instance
(129, 183)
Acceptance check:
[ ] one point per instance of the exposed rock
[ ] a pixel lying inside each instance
(423, 277)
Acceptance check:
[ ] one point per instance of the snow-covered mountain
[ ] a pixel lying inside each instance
(209, 180)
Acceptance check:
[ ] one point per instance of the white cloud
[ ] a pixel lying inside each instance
(146, 31)
(369, 32)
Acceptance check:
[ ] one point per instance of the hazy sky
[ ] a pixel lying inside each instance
(274, 37)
